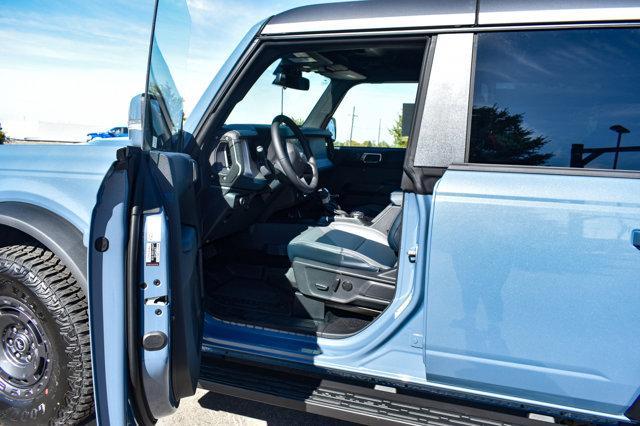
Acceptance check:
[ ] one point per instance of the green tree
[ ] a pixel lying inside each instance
(3, 137)
(499, 137)
(395, 131)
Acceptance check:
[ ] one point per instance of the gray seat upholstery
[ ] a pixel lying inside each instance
(344, 245)
(347, 265)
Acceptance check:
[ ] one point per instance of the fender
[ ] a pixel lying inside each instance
(51, 230)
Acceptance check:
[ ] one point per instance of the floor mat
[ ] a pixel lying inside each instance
(248, 287)
(251, 295)
(336, 325)
(261, 295)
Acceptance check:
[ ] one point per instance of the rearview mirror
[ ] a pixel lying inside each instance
(290, 77)
(331, 127)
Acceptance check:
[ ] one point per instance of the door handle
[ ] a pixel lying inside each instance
(371, 157)
(635, 238)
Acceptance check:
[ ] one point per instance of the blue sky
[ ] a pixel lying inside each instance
(71, 66)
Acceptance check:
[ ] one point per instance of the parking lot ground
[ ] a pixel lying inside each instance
(209, 408)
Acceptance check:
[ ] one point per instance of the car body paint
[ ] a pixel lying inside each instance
(61, 178)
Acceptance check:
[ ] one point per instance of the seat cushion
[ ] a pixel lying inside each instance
(346, 245)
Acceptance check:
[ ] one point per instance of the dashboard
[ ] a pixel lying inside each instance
(244, 152)
(243, 184)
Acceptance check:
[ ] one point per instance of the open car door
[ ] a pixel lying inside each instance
(144, 265)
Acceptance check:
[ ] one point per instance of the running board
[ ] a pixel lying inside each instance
(343, 401)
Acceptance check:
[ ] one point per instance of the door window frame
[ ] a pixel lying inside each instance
(253, 62)
(422, 179)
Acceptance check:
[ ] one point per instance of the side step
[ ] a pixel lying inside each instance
(341, 400)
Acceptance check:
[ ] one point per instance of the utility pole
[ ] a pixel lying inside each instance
(379, 124)
(620, 130)
(353, 117)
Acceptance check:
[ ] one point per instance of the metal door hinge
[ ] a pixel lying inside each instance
(412, 253)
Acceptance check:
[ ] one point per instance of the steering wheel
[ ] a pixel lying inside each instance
(299, 165)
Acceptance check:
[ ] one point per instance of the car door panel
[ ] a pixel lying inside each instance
(146, 281)
(365, 175)
(176, 174)
(147, 306)
(107, 293)
(532, 287)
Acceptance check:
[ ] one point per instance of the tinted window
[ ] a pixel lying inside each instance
(558, 98)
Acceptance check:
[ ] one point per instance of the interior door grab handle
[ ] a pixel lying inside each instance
(635, 238)
(371, 157)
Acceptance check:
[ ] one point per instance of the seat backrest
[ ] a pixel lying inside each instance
(395, 233)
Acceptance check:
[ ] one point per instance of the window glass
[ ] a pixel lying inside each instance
(557, 98)
(266, 100)
(372, 115)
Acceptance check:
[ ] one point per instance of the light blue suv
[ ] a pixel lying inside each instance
(407, 212)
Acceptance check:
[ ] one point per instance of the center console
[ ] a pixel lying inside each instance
(382, 222)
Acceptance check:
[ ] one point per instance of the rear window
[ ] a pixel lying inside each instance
(566, 98)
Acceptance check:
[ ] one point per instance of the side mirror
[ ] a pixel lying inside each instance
(331, 127)
(136, 112)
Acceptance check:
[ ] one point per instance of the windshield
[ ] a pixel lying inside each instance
(169, 50)
(265, 100)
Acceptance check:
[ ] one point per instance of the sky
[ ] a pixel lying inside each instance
(70, 67)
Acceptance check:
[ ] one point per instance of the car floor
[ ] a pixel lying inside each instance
(251, 287)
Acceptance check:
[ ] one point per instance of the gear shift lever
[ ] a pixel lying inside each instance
(324, 195)
(327, 202)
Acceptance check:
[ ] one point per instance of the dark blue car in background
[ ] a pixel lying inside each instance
(114, 132)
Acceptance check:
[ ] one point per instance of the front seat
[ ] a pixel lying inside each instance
(347, 245)
(347, 265)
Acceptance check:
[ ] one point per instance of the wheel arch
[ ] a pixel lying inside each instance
(21, 221)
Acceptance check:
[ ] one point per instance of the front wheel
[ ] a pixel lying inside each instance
(45, 353)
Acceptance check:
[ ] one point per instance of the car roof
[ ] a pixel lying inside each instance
(407, 14)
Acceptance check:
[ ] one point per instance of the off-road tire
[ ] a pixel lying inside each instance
(37, 279)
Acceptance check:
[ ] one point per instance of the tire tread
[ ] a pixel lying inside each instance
(52, 282)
